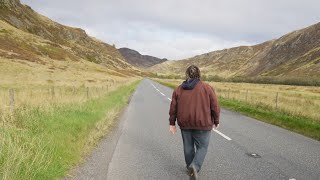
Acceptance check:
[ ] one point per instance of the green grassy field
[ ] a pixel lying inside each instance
(304, 126)
(298, 110)
(45, 143)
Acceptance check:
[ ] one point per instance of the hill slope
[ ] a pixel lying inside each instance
(136, 59)
(28, 37)
(292, 55)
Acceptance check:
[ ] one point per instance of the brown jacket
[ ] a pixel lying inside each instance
(197, 108)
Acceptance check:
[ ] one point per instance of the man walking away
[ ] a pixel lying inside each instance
(194, 105)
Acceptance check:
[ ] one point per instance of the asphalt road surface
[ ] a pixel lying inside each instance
(141, 147)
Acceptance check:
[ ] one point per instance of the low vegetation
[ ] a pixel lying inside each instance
(292, 107)
(46, 133)
(297, 81)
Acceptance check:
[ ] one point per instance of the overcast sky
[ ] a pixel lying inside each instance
(177, 29)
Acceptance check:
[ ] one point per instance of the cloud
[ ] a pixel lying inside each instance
(178, 29)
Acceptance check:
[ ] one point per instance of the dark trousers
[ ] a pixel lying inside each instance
(195, 146)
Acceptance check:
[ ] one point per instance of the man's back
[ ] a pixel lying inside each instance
(195, 107)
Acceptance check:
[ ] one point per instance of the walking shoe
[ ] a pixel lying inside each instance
(193, 173)
(189, 170)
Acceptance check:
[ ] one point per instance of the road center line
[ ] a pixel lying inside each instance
(221, 134)
(169, 99)
(162, 94)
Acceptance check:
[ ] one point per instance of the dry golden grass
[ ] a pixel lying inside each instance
(53, 83)
(20, 73)
(302, 101)
(45, 97)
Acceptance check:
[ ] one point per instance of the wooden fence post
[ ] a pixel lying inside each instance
(277, 96)
(12, 102)
(52, 92)
(247, 96)
(87, 92)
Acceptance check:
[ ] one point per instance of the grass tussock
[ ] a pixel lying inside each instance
(291, 107)
(38, 143)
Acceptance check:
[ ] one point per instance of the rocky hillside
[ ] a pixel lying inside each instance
(27, 35)
(136, 59)
(296, 54)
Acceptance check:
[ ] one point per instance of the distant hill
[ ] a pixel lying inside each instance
(28, 36)
(296, 54)
(136, 59)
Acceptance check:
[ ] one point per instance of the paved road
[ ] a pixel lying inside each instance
(142, 147)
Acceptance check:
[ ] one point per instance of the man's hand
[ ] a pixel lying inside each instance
(173, 129)
(216, 126)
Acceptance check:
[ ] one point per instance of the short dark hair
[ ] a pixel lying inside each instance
(193, 72)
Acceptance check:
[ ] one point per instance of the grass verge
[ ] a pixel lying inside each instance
(45, 144)
(167, 84)
(304, 126)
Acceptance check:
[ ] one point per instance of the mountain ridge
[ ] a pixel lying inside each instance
(293, 54)
(136, 59)
(74, 41)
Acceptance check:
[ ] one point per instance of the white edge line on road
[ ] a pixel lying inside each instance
(221, 134)
(218, 132)
(153, 85)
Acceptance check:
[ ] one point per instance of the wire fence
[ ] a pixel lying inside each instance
(14, 98)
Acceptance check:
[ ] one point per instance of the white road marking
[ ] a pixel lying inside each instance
(292, 179)
(221, 134)
(158, 90)
(153, 85)
(169, 99)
